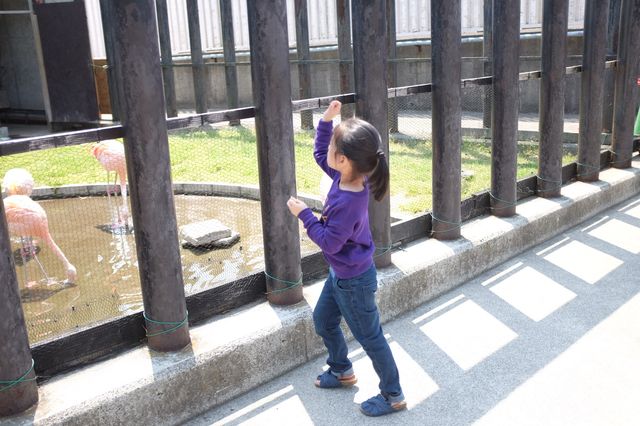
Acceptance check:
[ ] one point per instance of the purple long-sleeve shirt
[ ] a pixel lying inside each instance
(343, 230)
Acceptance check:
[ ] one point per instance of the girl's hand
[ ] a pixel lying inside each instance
(295, 206)
(332, 110)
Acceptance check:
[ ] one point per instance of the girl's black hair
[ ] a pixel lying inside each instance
(360, 142)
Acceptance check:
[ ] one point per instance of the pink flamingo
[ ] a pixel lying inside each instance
(26, 218)
(110, 154)
(18, 182)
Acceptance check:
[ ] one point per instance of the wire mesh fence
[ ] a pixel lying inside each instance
(215, 176)
(71, 238)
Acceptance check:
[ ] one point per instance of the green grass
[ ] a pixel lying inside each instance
(230, 155)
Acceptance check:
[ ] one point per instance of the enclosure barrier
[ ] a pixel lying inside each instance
(504, 113)
(370, 80)
(18, 389)
(197, 61)
(168, 78)
(447, 111)
(595, 33)
(276, 162)
(148, 167)
(626, 93)
(228, 45)
(554, 46)
(137, 67)
(302, 49)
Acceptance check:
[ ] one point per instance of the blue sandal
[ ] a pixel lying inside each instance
(328, 380)
(380, 406)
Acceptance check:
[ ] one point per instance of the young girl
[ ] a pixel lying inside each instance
(354, 160)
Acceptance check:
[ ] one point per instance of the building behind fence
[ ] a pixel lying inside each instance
(413, 21)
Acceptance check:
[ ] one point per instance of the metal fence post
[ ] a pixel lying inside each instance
(613, 30)
(504, 115)
(167, 58)
(554, 53)
(18, 389)
(344, 52)
(107, 29)
(229, 47)
(271, 80)
(147, 153)
(370, 77)
(304, 69)
(592, 87)
(446, 124)
(626, 94)
(392, 116)
(487, 44)
(197, 62)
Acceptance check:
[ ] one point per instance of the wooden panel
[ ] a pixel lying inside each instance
(66, 56)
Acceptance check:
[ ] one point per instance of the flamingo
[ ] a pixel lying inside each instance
(110, 154)
(18, 182)
(26, 218)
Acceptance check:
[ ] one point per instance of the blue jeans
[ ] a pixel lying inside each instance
(354, 299)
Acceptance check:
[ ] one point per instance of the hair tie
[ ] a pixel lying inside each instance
(380, 154)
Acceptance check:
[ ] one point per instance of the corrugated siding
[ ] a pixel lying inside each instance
(413, 20)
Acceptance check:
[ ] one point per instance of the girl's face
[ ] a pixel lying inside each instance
(331, 154)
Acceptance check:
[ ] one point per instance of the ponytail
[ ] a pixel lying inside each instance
(379, 179)
(360, 142)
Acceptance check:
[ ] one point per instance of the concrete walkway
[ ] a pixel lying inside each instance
(550, 337)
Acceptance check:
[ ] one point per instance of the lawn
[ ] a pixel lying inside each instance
(229, 155)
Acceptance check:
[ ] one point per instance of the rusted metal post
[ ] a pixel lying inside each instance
(446, 132)
(392, 115)
(304, 69)
(229, 47)
(504, 114)
(487, 44)
(344, 52)
(270, 77)
(18, 389)
(107, 30)
(197, 62)
(554, 53)
(147, 153)
(594, 42)
(626, 94)
(613, 30)
(167, 58)
(370, 77)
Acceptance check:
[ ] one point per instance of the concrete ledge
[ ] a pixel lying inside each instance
(233, 353)
(217, 189)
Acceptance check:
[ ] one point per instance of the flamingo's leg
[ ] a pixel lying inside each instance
(23, 255)
(115, 198)
(42, 268)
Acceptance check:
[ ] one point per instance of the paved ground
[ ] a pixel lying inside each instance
(551, 337)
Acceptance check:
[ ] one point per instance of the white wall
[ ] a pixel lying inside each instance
(412, 21)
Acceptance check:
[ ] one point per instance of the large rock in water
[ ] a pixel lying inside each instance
(205, 233)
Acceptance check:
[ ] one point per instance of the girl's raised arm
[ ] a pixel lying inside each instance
(323, 137)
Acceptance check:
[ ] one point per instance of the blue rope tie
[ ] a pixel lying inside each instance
(11, 383)
(290, 284)
(176, 325)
